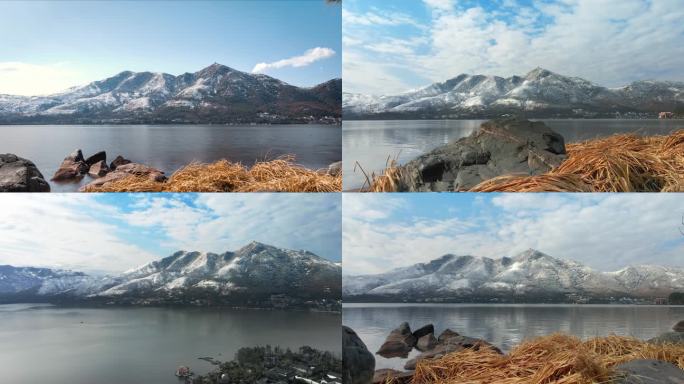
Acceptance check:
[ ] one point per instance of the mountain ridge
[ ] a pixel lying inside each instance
(530, 273)
(540, 92)
(253, 273)
(215, 94)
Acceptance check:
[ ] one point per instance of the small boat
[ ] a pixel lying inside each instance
(183, 371)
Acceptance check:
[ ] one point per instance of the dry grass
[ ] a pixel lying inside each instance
(540, 183)
(558, 359)
(386, 181)
(619, 163)
(280, 175)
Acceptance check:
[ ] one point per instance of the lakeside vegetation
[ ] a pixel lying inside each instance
(619, 163)
(555, 358)
(276, 365)
(279, 175)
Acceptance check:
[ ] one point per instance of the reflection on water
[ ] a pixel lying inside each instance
(169, 147)
(371, 142)
(143, 345)
(507, 325)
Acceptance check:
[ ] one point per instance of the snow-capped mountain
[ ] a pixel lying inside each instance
(530, 272)
(48, 282)
(539, 92)
(255, 270)
(256, 267)
(214, 94)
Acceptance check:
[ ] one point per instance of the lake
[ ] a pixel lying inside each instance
(169, 147)
(46, 344)
(506, 325)
(371, 142)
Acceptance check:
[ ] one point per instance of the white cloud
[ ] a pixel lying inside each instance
(26, 79)
(606, 232)
(612, 43)
(59, 230)
(375, 18)
(80, 232)
(224, 222)
(309, 57)
(440, 5)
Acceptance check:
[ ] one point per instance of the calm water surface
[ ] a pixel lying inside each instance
(45, 344)
(371, 142)
(169, 147)
(507, 325)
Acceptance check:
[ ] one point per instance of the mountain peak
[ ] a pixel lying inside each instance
(255, 247)
(538, 73)
(531, 254)
(214, 69)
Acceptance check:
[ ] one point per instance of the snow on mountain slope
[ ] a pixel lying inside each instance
(256, 268)
(530, 271)
(219, 91)
(44, 281)
(540, 89)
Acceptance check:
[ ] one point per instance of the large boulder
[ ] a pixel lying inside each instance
(399, 342)
(679, 327)
(668, 338)
(446, 335)
(119, 160)
(334, 169)
(96, 158)
(383, 376)
(424, 330)
(452, 344)
(98, 169)
(358, 364)
(498, 147)
(73, 167)
(649, 372)
(20, 175)
(126, 170)
(426, 342)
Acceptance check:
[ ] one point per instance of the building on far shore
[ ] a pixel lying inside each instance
(665, 115)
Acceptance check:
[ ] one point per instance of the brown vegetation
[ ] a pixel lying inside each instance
(280, 175)
(619, 163)
(558, 359)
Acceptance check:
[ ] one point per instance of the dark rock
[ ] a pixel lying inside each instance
(98, 169)
(498, 147)
(649, 372)
(20, 175)
(426, 342)
(668, 338)
(73, 167)
(399, 342)
(358, 364)
(447, 334)
(96, 158)
(679, 327)
(335, 169)
(452, 344)
(119, 160)
(424, 330)
(383, 376)
(126, 170)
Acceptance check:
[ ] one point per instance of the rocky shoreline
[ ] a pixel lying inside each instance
(512, 154)
(264, 365)
(123, 175)
(359, 363)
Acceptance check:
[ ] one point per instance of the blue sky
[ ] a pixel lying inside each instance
(390, 47)
(604, 231)
(86, 41)
(116, 232)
